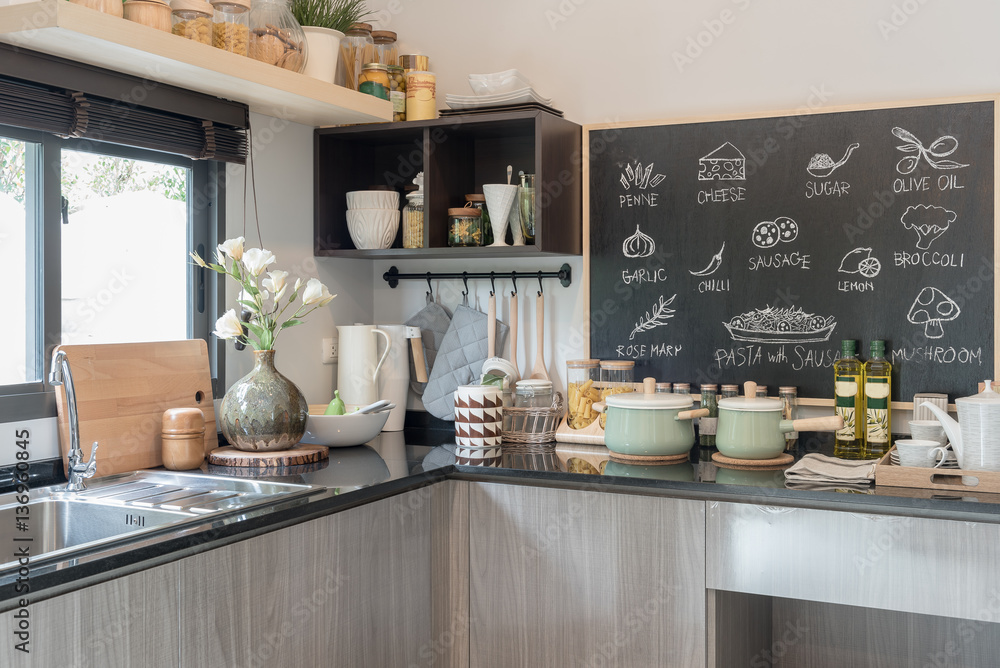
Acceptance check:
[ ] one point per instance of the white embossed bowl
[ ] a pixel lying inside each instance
(372, 228)
(373, 199)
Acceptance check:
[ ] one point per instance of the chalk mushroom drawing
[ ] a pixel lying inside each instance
(642, 179)
(942, 147)
(661, 313)
(780, 325)
(725, 163)
(638, 245)
(928, 221)
(860, 261)
(768, 233)
(931, 308)
(713, 266)
(822, 165)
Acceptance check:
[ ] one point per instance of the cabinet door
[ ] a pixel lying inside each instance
(566, 578)
(350, 589)
(129, 621)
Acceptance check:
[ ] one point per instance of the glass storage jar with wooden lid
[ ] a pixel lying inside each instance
(192, 19)
(356, 49)
(582, 378)
(465, 227)
(479, 201)
(231, 25)
(413, 220)
(385, 47)
(397, 92)
(616, 378)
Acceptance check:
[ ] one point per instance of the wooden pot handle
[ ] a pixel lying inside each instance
(828, 423)
(692, 414)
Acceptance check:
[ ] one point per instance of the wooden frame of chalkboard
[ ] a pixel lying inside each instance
(746, 247)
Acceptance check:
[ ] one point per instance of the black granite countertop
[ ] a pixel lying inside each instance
(397, 462)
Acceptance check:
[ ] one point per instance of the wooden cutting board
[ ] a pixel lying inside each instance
(122, 390)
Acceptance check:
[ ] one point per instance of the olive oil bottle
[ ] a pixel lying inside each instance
(878, 397)
(849, 403)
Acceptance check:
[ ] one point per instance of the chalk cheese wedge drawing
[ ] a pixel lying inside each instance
(780, 325)
(860, 261)
(643, 179)
(713, 266)
(726, 163)
(931, 308)
(822, 165)
(661, 312)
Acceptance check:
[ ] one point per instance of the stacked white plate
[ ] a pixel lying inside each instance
(493, 90)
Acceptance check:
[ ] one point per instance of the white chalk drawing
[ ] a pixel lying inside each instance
(658, 318)
(713, 266)
(768, 233)
(780, 325)
(860, 261)
(928, 221)
(638, 245)
(822, 165)
(642, 179)
(726, 163)
(941, 148)
(931, 308)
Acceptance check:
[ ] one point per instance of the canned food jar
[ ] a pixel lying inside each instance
(192, 19)
(582, 377)
(533, 393)
(374, 80)
(421, 89)
(231, 25)
(397, 92)
(414, 62)
(464, 227)
(682, 388)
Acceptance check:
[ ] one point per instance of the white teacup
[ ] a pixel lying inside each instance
(922, 453)
(928, 430)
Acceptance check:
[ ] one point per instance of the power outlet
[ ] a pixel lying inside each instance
(330, 352)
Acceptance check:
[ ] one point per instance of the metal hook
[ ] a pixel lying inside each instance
(493, 285)
(465, 280)
(540, 284)
(513, 281)
(430, 290)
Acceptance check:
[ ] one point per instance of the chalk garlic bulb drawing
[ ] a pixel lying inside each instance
(638, 245)
(657, 318)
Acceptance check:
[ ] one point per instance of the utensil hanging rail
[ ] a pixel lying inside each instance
(565, 275)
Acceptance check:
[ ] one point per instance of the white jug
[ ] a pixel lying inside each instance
(359, 366)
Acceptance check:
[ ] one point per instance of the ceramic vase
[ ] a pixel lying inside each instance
(324, 51)
(263, 410)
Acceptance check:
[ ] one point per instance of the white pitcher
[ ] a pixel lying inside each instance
(359, 366)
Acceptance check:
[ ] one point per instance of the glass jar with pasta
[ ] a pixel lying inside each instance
(616, 378)
(356, 48)
(581, 388)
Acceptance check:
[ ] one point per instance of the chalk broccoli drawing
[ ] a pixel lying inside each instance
(928, 221)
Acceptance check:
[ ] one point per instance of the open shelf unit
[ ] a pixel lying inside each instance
(457, 155)
(60, 28)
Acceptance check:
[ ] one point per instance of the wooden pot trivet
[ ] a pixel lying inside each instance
(781, 461)
(303, 454)
(648, 459)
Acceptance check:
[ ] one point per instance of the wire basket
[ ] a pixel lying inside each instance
(532, 425)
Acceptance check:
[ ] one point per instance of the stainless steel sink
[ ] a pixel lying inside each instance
(120, 510)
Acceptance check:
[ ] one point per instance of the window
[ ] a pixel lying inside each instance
(95, 238)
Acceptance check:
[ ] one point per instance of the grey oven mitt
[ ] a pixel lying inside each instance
(433, 321)
(460, 360)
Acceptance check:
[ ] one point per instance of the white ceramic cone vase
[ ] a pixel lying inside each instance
(499, 201)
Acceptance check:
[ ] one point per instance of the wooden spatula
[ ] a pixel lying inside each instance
(538, 370)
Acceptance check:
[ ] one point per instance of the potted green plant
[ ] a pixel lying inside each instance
(324, 22)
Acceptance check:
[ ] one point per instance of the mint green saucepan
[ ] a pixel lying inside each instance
(751, 427)
(648, 424)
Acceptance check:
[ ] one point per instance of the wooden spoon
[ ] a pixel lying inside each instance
(538, 371)
(513, 329)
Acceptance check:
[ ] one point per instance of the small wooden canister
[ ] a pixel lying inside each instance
(183, 438)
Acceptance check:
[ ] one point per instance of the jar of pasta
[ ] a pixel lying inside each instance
(616, 378)
(356, 49)
(192, 19)
(231, 25)
(479, 202)
(581, 388)
(385, 47)
(464, 227)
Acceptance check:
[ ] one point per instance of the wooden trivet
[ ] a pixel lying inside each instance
(781, 461)
(647, 459)
(303, 454)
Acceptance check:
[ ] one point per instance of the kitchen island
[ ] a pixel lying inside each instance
(409, 560)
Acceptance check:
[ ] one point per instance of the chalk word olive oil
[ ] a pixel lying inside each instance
(849, 403)
(878, 395)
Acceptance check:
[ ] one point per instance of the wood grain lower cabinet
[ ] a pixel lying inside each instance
(578, 578)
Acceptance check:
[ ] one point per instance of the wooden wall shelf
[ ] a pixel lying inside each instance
(84, 35)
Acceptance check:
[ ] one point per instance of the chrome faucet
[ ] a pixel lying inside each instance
(60, 374)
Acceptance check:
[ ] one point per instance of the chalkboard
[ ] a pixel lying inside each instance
(747, 249)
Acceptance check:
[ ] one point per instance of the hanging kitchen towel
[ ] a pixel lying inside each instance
(459, 361)
(816, 468)
(433, 321)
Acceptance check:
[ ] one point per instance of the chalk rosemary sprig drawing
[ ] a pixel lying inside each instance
(661, 313)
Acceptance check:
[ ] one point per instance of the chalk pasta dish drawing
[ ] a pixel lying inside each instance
(780, 325)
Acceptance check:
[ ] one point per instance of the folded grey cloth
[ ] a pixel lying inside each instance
(817, 469)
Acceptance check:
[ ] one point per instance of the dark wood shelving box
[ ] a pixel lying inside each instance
(457, 155)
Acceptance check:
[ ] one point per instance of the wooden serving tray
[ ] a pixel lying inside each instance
(952, 480)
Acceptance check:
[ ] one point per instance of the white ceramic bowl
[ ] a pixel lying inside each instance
(373, 199)
(372, 228)
(341, 431)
